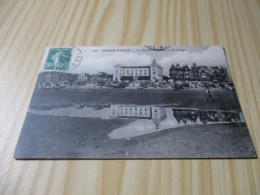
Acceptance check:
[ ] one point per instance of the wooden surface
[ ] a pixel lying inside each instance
(27, 27)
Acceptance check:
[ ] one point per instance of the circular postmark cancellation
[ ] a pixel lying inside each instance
(157, 47)
(63, 59)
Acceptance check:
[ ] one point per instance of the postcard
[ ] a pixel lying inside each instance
(134, 102)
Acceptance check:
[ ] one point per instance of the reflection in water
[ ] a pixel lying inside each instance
(185, 114)
(77, 110)
(148, 118)
(156, 114)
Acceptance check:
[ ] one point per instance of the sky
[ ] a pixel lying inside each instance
(98, 59)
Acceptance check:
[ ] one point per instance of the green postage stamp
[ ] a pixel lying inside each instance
(58, 59)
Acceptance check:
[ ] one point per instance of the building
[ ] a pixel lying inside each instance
(52, 78)
(198, 73)
(195, 74)
(204, 116)
(100, 77)
(180, 72)
(156, 114)
(219, 73)
(185, 115)
(154, 72)
(49, 77)
(83, 77)
(130, 111)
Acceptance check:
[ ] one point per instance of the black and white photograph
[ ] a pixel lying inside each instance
(134, 102)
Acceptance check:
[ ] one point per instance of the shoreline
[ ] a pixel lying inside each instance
(133, 89)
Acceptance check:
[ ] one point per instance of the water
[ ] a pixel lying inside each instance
(140, 119)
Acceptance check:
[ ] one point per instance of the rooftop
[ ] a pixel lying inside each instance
(153, 64)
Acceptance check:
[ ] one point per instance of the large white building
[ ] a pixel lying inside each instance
(156, 114)
(154, 72)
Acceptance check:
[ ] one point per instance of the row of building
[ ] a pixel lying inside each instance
(198, 73)
(55, 78)
(136, 74)
(157, 115)
(182, 115)
(154, 72)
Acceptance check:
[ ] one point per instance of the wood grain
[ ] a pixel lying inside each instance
(27, 27)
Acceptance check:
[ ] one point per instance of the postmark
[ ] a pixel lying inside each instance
(75, 59)
(157, 47)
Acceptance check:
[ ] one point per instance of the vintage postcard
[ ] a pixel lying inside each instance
(134, 102)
